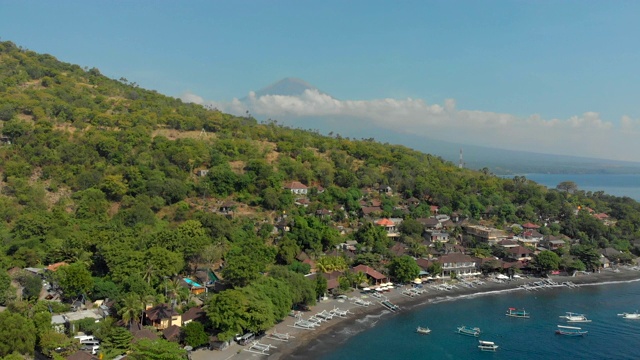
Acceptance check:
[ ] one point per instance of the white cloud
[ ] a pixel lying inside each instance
(584, 135)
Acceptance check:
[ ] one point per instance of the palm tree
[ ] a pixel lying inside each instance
(131, 308)
(360, 278)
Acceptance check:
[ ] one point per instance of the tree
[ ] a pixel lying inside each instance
(31, 285)
(52, 340)
(17, 333)
(567, 186)
(193, 334)
(320, 286)
(117, 340)
(411, 227)
(404, 269)
(131, 309)
(226, 311)
(104, 288)
(435, 269)
(588, 255)
(74, 280)
(159, 349)
(547, 261)
(6, 289)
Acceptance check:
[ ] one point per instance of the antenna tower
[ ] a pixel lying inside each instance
(461, 164)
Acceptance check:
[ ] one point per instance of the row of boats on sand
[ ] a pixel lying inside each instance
(566, 330)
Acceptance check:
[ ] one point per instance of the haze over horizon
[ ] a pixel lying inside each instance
(544, 76)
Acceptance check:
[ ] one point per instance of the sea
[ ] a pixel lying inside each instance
(393, 336)
(612, 184)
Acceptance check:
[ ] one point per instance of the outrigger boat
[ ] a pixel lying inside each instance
(487, 345)
(632, 316)
(513, 312)
(573, 317)
(468, 330)
(423, 330)
(570, 331)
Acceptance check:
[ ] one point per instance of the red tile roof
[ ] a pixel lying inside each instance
(54, 267)
(385, 222)
(295, 185)
(369, 271)
(530, 226)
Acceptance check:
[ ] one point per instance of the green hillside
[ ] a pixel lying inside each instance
(135, 190)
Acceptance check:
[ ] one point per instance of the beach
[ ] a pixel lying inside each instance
(307, 344)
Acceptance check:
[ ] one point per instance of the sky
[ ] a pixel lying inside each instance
(544, 76)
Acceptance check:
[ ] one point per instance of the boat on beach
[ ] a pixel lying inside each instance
(423, 330)
(573, 317)
(389, 305)
(487, 345)
(468, 331)
(513, 312)
(632, 316)
(570, 331)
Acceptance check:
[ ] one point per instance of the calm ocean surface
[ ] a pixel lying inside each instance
(610, 337)
(618, 184)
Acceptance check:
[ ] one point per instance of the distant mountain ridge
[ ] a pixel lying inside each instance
(289, 86)
(498, 161)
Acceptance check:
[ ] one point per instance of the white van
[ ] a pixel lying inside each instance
(82, 338)
(246, 338)
(92, 348)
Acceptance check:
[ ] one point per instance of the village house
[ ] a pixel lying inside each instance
(296, 187)
(389, 226)
(485, 233)
(374, 276)
(430, 223)
(556, 244)
(458, 264)
(508, 243)
(370, 210)
(162, 316)
(519, 253)
(412, 201)
(304, 202)
(437, 236)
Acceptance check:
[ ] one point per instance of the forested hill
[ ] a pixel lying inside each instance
(135, 189)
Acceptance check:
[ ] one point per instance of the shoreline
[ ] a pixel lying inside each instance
(308, 344)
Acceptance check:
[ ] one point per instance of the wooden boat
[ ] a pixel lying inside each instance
(632, 316)
(423, 330)
(570, 331)
(513, 312)
(487, 346)
(468, 330)
(389, 305)
(573, 317)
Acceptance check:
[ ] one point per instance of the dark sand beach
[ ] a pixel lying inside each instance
(307, 344)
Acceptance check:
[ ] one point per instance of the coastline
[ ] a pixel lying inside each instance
(308, 344)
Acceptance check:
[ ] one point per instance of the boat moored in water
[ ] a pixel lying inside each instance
(487, 345)
(632, 316)
(519, 313)
(468, 330)
(570, 331)
(423, 330)
(573, 317)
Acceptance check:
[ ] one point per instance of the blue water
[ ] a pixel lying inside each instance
(612, 184)
(610, 337)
